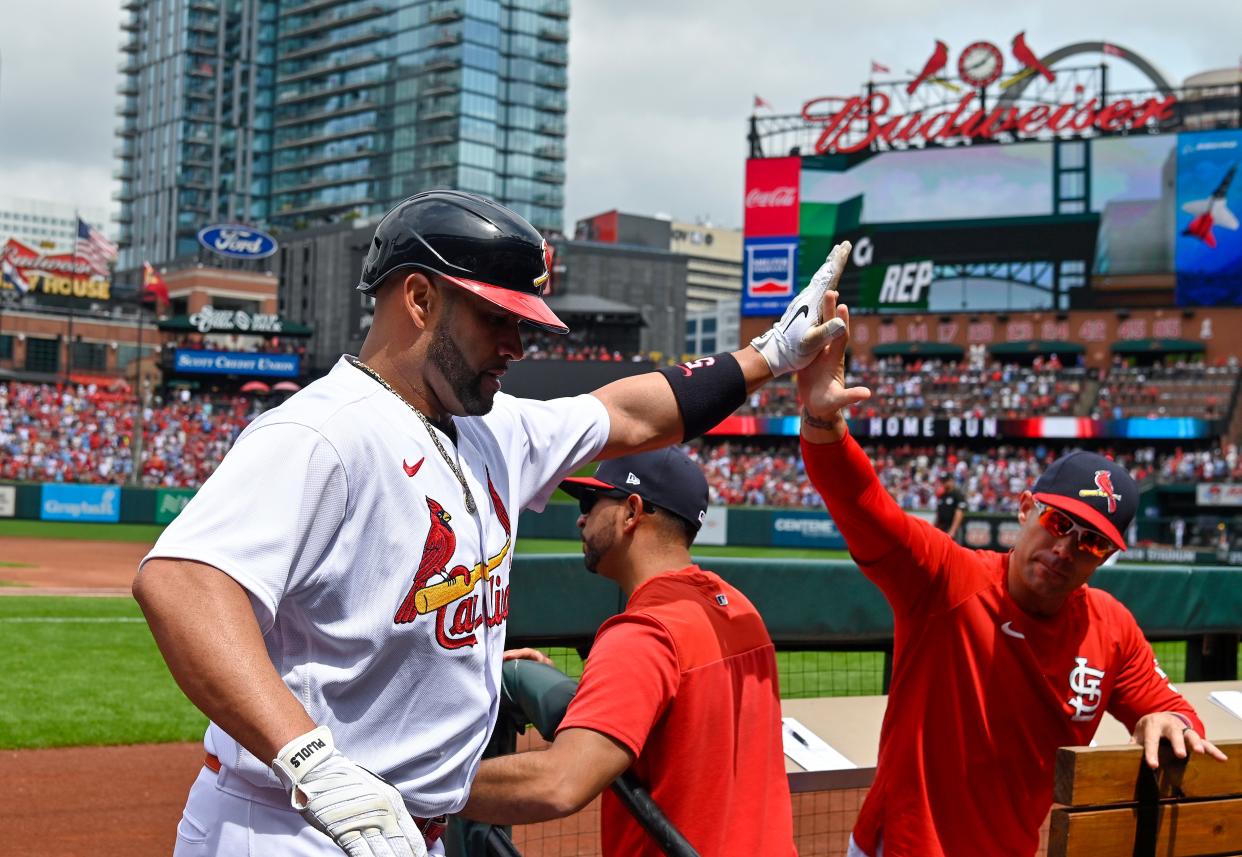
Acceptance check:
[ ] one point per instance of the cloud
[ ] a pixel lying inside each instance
(58, 79)
(659, 91)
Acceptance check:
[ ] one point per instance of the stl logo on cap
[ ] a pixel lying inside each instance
(1104, 488)
(546, 277)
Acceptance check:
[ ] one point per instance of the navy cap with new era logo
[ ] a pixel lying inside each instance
(664, 477)
(1096, 490)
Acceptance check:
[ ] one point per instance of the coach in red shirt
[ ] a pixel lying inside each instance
(681, 688)
(998, 658)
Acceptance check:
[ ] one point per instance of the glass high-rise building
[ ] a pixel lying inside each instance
(289, 113)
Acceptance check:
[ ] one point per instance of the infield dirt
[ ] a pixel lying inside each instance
(88, 801)
(64, 567)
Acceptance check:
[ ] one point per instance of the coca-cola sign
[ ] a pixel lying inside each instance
(237, 242)
(858, 123)
(780, 197)
(771, 201)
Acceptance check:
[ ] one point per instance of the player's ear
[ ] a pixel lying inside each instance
(1026, 503)
(417, 296)
(633, 508)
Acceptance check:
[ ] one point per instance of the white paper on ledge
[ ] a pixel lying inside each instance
(1230, 700)
(810, 751)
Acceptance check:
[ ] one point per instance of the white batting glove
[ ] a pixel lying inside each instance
(794, 341)
(361, 812)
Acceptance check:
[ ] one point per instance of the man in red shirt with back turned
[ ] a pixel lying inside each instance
(681, 688)
(998, 658)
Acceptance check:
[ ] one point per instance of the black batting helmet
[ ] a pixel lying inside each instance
(472, 242)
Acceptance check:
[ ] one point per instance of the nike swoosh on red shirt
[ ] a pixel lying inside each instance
(411, 469)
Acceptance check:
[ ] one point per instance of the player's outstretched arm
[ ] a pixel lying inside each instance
(525, 788)
(682, 402)
(206, 630)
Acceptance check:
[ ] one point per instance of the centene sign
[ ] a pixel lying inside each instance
(857, 123)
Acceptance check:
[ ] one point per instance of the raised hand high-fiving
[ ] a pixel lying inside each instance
(821, 384)
(806, 325)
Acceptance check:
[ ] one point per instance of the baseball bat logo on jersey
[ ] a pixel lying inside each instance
(1084, 683)
(436, 587)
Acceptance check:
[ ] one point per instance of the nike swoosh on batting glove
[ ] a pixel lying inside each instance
(360, 812)
(794, 341)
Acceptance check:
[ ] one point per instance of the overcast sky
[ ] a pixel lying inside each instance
(659, 91)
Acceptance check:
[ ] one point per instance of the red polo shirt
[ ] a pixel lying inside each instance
(686, 679)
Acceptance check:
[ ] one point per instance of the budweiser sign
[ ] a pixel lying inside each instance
(858, 123)
(776, 198)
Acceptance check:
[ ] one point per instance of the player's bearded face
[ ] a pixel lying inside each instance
(466, 384)
(472, 384)
(597, 536)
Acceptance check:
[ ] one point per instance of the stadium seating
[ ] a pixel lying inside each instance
(771, 473)
(83, 434)
(1182, 389)
(1045, 388)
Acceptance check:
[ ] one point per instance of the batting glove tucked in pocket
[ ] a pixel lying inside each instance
(361, 812)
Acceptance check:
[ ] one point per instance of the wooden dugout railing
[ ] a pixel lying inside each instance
(1110, 804)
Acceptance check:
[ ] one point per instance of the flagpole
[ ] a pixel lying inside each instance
(77, 234)
(69, 349)
(137, 433)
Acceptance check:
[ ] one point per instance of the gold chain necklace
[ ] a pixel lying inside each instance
(452, 465)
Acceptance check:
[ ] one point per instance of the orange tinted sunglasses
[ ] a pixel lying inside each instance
(1060, 525)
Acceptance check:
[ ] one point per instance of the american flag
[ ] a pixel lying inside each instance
(13, 276)
(94, 247)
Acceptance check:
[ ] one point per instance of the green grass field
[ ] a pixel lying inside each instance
(85, 671)
(145, 533)
(82, 671)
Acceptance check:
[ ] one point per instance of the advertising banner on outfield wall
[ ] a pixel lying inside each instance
(59, 502)
(1218, 494)
(715, 529)
(805, 530)
(169, 502)
(8, 501)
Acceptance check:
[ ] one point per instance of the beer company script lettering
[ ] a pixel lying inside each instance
(858, 123)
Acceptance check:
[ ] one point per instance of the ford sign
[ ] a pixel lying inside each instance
(237, 242)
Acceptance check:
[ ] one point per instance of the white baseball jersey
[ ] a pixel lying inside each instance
(381, 600)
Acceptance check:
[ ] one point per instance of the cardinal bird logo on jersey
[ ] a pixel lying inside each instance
(1103, 488)
(436, 588)
(437, 553)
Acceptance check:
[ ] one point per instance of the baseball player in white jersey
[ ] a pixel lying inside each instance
(335, 596)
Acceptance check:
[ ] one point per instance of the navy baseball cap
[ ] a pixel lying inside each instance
(665, 477)
(1096, 490)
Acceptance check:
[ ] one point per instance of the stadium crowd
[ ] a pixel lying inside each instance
(242, 343)
(991, 478)
(80, 433)
(84, 434)
(572, 346)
